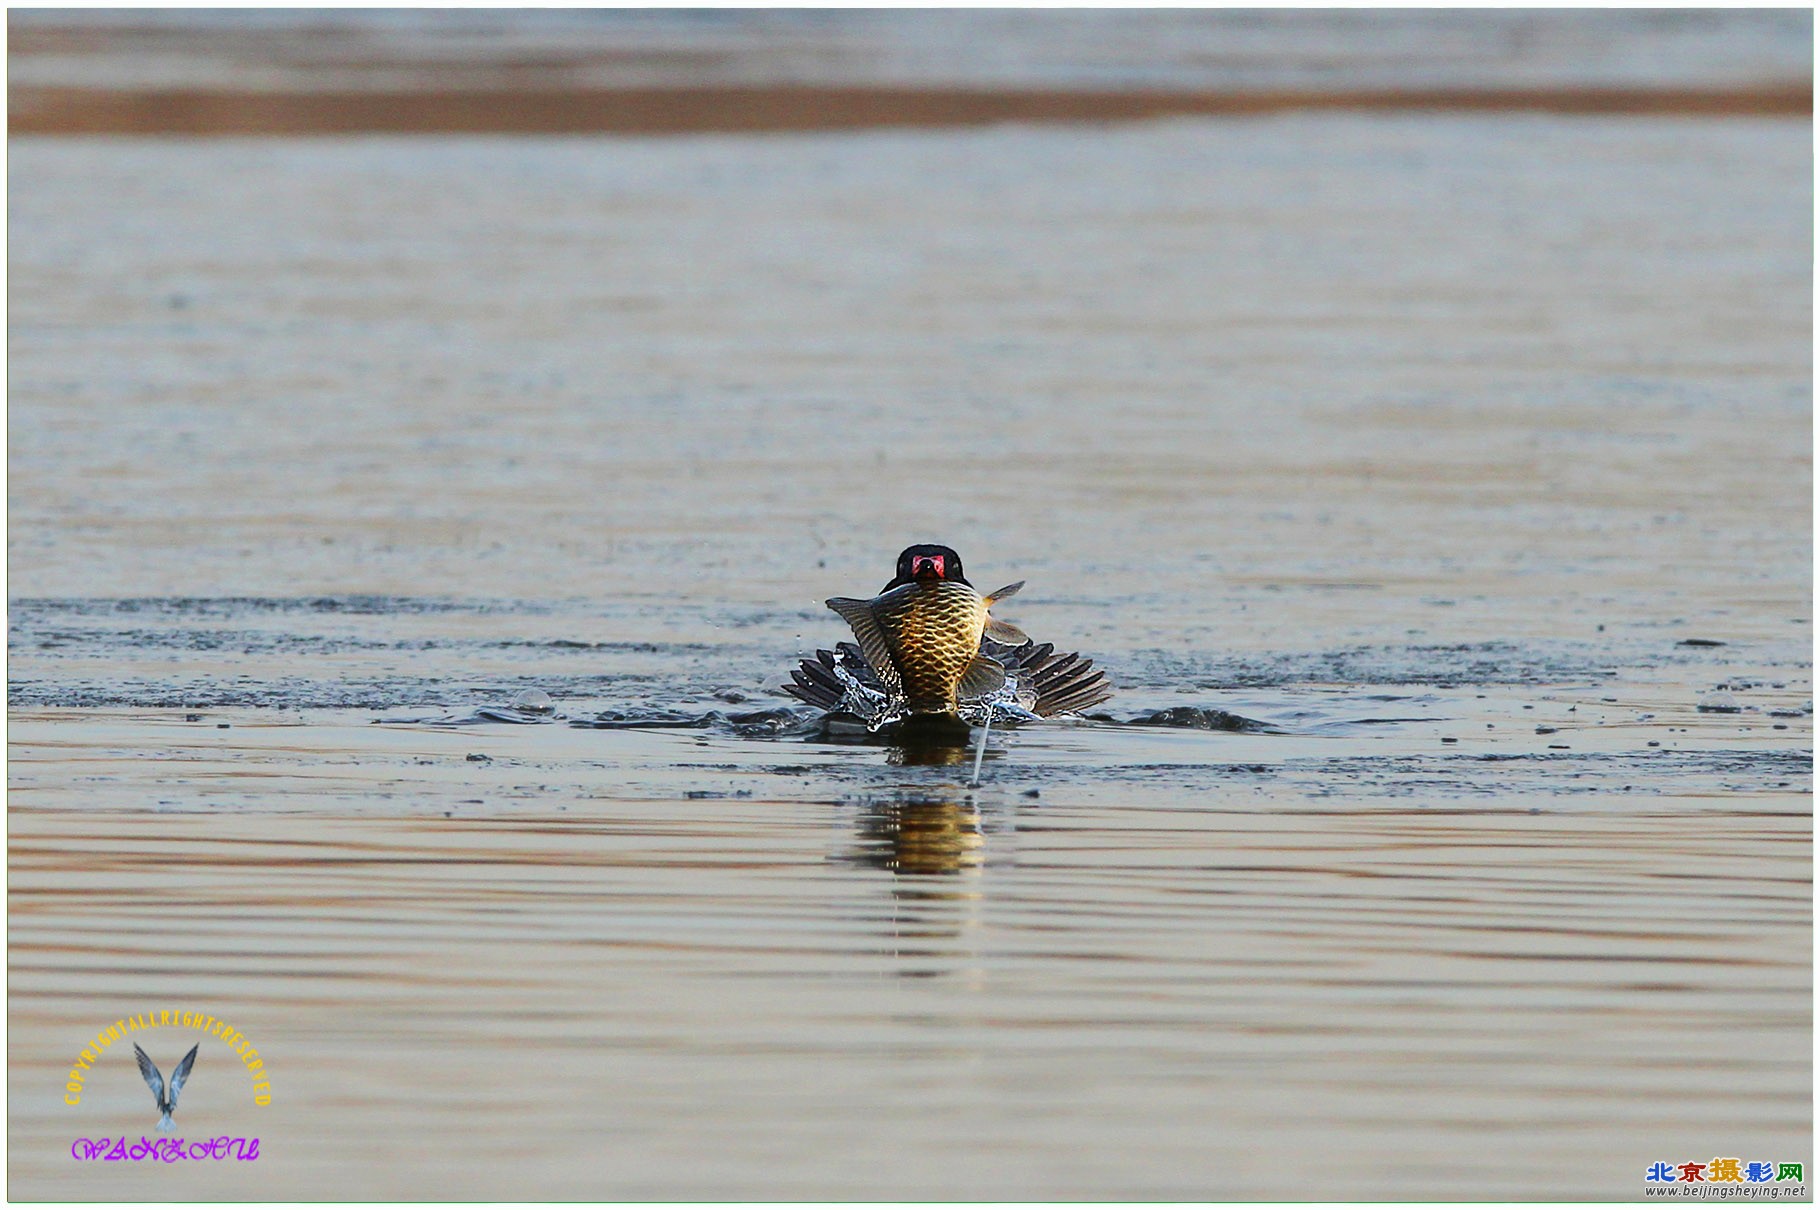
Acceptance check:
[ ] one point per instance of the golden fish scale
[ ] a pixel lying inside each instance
(934, 633)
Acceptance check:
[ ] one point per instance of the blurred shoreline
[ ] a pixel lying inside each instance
(743, 108)
(481, 71)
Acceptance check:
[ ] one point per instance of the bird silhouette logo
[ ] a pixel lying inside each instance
(154, 1079)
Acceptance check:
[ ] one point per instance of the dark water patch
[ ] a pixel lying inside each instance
(751, 724)
(1649, 770)
(241, 642)
(293, 694)
(585, 645)
(1201, 718)
(265, 642)
(28, 607)
(619, 720)
(292, 654)
(1453, 666)
(1512, 783)
(1445, 665)
(530, 707)
(264, 652)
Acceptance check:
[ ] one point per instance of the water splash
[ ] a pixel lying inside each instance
(879, 709)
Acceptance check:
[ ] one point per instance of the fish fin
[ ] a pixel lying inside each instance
(872, 644)
(815, 682)
(1009, 590)
(1068, 684)
(1005, 632)
(984, 676)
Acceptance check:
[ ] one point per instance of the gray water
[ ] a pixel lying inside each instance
(1468, 456)
(1214, 49)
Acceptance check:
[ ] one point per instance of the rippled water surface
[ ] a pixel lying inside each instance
(1467, 456)
(400, 49)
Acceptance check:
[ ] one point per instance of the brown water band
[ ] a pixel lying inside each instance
(739, 109)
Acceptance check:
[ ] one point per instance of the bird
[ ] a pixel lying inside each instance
(167, 1105)
(928, 645)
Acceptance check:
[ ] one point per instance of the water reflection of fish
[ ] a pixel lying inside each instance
(927, 643)
(921, 836)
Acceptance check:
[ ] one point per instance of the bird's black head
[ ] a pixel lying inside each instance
(927, 564)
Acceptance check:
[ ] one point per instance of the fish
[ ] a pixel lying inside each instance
(928, 640)
(167, 1104)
